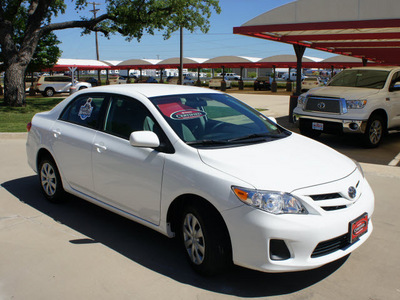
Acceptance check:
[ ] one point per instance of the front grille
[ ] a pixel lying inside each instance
(330, 246)
(323, 200)
(325, 196)
(330, 208)
(322, 104)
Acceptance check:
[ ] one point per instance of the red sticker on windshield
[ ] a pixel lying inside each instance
(187, 114)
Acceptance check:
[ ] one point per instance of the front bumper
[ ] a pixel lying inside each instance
(251, 237)
(347, 125)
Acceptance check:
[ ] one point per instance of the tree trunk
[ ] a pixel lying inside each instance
(14, 85)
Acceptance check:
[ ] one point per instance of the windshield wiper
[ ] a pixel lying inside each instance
(207, 142)
(255, 137)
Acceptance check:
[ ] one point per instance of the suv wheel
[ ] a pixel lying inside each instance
(49, 92)
(374, 132)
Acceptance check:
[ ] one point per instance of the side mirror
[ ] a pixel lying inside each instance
(395, 87)
(144, 139)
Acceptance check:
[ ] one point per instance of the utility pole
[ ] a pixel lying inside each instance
(94, 11)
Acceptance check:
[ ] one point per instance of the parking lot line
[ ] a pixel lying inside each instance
(395, 161)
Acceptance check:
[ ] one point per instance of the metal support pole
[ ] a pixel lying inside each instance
(299, 54)
(181, 57)
(293, 99)
(241, 85)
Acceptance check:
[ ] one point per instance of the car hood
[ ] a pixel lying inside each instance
(285, 165)
(349, 93)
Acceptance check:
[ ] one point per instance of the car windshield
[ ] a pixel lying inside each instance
(374, 79)
(215, 120)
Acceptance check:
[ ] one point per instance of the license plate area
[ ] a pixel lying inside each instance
(317, 126)
(358, 227)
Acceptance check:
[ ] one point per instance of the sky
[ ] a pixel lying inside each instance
(219, 41)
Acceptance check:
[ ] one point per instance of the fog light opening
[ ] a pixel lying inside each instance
(354, 126)
(278, 250)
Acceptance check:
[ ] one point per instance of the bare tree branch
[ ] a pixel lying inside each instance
(89, 24)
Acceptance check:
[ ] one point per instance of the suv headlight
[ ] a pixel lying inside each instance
(270, 201)
(356, 104)
(301, 99)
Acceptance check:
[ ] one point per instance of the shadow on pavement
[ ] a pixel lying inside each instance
(155, 251)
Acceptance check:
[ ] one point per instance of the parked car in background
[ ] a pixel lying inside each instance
(216, 83)
(232, 76)
(146, 79)
(122, 80)
(363, 101)
(262, 83)
(93, 81)
(186, 80)
(309, 83)
(50, 85)
(30, 82)
(207, 168)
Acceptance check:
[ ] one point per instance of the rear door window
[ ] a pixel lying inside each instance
(85, 110)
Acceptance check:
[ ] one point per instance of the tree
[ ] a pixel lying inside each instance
(130, 18)
(46, 54)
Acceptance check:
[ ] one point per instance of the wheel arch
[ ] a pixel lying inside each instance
(382, 113)
(42, 153)
(176, 208)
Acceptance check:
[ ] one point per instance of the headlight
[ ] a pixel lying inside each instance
(270, 201)
(301, 99)
(356, 104)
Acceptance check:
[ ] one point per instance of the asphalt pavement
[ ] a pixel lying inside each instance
(76, 250)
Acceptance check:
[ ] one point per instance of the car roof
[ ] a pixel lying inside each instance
(383, 68)
(151, 89)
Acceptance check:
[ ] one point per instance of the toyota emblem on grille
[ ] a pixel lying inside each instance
(352, 192)
(321, 105)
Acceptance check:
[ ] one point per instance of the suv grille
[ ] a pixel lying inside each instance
(321, 104)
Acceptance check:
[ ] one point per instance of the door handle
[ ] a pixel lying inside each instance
(56, 133)
(100, 147)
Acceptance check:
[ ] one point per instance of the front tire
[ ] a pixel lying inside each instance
(50, 181)
(204, 239)
(374, 131)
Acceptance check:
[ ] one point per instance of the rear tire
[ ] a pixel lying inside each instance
(50, 180)
(204, 239)
(49, 92)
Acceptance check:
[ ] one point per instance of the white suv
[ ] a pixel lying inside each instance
(49, 85)
(360, 100)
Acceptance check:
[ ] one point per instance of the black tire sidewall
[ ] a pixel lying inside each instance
(367, 140)
(59, 194)
(217, 253)
(49, 92)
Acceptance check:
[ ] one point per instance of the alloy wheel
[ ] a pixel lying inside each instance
(194, 239)
(48, 179)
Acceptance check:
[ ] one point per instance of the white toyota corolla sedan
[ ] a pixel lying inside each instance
(227, 181)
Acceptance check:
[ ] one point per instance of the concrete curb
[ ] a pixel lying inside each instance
(13, 135)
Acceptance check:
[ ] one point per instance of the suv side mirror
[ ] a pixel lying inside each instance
(395, 87)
